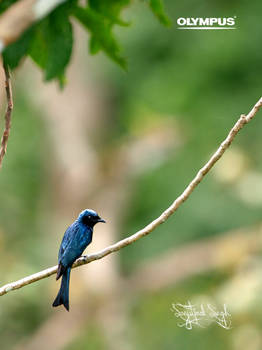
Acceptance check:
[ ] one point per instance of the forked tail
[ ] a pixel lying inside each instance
(62, 297)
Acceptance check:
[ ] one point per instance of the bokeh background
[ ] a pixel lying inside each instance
(127, 144)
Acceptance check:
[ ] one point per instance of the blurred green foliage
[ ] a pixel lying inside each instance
(22, 185)
(49, 43)
(91, 334)
(205, 80)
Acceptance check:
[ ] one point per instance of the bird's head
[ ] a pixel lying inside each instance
(89, 217)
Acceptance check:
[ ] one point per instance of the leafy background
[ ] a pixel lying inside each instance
(49, 43)
(150, 128)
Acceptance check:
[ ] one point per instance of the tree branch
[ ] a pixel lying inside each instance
(244, 119)
(9, 97)
(20, 16)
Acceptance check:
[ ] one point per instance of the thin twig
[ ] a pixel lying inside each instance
(8, 113)
(157, 222)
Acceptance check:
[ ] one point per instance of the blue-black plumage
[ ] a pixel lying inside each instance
(76, 238)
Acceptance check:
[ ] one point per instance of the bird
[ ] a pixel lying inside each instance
(76, 238)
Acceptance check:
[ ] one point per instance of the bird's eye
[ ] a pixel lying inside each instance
(89, 217)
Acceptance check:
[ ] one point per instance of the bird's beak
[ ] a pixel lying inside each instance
(101, 220)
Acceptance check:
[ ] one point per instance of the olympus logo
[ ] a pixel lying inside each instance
(206, 23)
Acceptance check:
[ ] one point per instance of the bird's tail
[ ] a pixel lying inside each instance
(62, 297)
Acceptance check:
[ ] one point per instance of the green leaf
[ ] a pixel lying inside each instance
(52, 45)
(94, 46)
(15, 52)
(158, 9)
(62, 81)
(60, 46)
(102, 34)
(39, 47)
(110, 9)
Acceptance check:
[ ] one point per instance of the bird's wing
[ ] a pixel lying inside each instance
(67, 239)
(78, 241)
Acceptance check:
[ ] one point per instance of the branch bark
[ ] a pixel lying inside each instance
(8, 114)
(244, 119)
